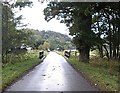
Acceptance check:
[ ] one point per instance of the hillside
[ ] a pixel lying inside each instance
(56, 40)
(54, 35)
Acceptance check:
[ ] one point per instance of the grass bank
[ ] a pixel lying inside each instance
(14, 70)
(59, 52)
(102, 73)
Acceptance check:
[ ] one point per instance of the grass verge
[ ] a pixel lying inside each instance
(59, 52)
(14, 70)
(98, 75)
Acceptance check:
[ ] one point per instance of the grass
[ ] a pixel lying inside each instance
(99, 71)
(14, 70)
(46, 53)
(59, 52)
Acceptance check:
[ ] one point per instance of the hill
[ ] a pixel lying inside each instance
(55, 40)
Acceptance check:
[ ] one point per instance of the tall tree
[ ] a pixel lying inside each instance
(11, 37)
(108, 20)
(78, 17)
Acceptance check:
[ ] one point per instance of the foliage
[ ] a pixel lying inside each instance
(55, 39)
(106, 26)
(91, 24)
(11, 36)
(46, 46)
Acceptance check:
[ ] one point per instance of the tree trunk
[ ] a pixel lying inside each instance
(100, 51)
(110, 43)
(85, 48)
(114, 52)
(100, 46)
(107, 53)
(3, 58)
(109, 37)
(117, 51)
(84, 54)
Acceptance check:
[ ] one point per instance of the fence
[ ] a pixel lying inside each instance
(41, 54)
(67, 53)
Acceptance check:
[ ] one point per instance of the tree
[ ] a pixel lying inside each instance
(11, 37)
(78, 18)
(107, 19)
(8, 30)
(54, 38)
(82, 18)
(46, 45)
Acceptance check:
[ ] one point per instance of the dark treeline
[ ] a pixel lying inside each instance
(12, 38)
(107, 24)
(54, 40)
(93, 25)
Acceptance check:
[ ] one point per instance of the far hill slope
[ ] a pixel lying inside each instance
(55, 39)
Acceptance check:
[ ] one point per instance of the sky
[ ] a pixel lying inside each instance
(34, 17)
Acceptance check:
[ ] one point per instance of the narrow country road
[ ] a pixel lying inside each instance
(53, 74)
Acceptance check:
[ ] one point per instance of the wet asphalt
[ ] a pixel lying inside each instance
(53, 74)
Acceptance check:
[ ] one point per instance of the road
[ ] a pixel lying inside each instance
(53, 74)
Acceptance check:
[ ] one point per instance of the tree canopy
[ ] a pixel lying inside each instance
(91, 24)
(55, 40)
(11, 36)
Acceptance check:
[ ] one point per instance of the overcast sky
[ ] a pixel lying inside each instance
(35, 19)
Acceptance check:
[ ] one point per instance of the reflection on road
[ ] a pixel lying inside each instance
(53, 74)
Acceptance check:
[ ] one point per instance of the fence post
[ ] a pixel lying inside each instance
(41, 54)
(67, 53)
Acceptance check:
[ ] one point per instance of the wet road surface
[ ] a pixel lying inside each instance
(53, 74)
